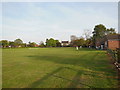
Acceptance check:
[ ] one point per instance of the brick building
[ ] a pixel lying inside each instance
(113, 41)
(109, 42)
(65, 43)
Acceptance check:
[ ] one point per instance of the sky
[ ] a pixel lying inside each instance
(37, 21)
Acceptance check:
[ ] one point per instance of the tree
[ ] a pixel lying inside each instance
(4, 43)
(99, 31)
(18, 42)
(88, 42)
(47, 42)
(73, 37)
(79, 42)
(0, 44)
(12, 44)
(58, 44)
(50, 42)
(110, 31)
(31, 44)
(41, 44)
(87, 33)
(23, 45)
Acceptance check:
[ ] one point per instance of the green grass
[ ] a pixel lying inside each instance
(57, 68)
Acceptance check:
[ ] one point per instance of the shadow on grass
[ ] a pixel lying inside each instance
(38, 82)
(92, 60)
(74, 82)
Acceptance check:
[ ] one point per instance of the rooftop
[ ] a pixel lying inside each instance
(65, 42)
(113, 36)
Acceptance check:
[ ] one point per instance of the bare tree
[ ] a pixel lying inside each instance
(41, 42)
(73, 37)
(87, 33)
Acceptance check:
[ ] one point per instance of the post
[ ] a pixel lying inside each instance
(118, 55)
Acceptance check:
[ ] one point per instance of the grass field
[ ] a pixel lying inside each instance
(57, 68)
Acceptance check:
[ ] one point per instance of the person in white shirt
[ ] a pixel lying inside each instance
(76, 47)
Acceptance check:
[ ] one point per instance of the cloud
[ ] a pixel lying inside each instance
(39, 22)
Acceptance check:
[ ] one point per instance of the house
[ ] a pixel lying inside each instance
(36, 45)
(65, 43)
(111, 41)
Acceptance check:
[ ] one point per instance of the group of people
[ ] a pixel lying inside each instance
(77, 48)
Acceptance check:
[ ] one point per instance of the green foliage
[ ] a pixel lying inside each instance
(42, 44)
(88, 42)
(15, 43)
(18, 42)
(0, 43)
(31, 44)
(12, 44)
(79, 42)
(23, 45)
(4, 43)
(52, 43)
(100, 31)
(110, 31)
(58, 44)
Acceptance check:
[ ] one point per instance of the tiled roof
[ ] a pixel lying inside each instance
(65, 41)
(108, 37)
(113, 36)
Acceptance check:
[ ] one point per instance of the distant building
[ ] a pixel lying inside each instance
(65, 43)
(113, 41)
(36, 45)
(109, 42)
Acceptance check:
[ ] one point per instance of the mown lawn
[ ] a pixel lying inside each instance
(57, 68)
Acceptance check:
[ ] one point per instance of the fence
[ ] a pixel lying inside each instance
(118, 53)
(115, 54)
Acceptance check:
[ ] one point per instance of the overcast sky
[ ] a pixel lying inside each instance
(38, 21)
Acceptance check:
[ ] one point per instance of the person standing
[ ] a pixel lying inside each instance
(76, 47)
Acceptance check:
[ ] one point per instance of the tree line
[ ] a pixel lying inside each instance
(19, 43)
(99, 32)
(90, 41)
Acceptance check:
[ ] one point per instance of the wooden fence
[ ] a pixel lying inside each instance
(115, 54)
(118, 52)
